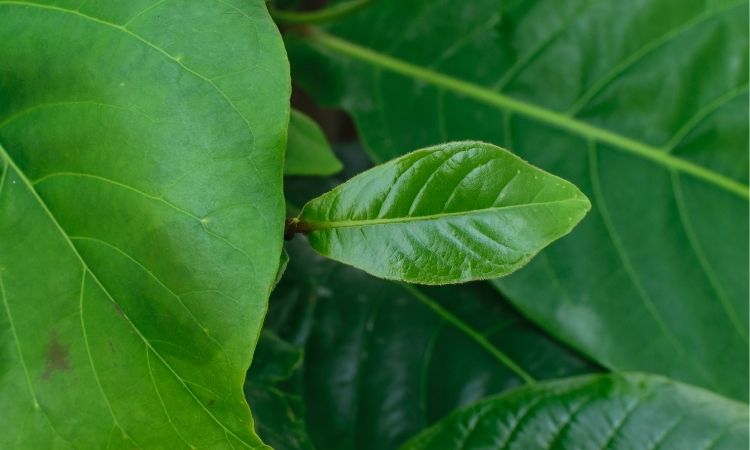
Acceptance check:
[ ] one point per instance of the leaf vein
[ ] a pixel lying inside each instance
(91, 358)
(387, 221)
(518, 420)
(146, 42)
(536, 52)
(642, 51)
(35, 405)
(161, 400)
(75, 252)
(144, 194)
(471, 333)
(702, 115)
(697, 249)
(554, 118)
(158, 280)
(620, 250)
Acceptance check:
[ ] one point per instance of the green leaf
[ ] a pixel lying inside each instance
(642, 104)
(278, 413)
(275, 360)
(308, 151)
(283, 262)
(383, 360)
(141, 218)
(446, 214)
(630, 411)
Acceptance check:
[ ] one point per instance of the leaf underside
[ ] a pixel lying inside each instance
(132, 283)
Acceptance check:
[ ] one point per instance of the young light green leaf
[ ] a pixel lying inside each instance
(601, 412)
(445, 214)
(141, 216)
(308, 151)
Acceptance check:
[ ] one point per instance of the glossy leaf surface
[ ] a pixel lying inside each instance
(308, 151)
(642, 104)
(141, 218)
(613, 412)
(446, 214)
(383, 360)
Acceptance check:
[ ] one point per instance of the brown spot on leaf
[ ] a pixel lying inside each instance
(119, 310)
(57, 357)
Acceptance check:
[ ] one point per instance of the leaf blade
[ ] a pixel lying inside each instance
(111, 217)
(308, 151)
(648, 410)
(434, 234)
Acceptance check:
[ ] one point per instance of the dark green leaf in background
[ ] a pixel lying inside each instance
(447, 214)
(141, 218)
(278, 413)
(612, 412)
(308, 151)
(640, 103)
(383, 360)
(283, 262)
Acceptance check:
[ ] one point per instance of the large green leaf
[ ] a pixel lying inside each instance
(447, 214)
(629, 412)
(141, 218)
(383, 360)
(308, 151)
(641, 103)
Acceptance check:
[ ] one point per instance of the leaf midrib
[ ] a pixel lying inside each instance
(319, 38)
(324, 225)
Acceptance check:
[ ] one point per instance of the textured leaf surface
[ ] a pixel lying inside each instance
(308, 151)
(633, 412)
(642, 104)
(141, 218)
(447, 214)
(383, 360)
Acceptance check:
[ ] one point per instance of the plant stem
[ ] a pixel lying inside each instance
(321, 16)
(294, 226)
